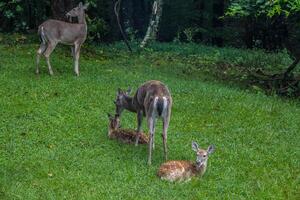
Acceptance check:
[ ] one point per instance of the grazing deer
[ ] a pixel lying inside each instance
(53, 32)
(185, 170)
(123, 135)
(153, 100)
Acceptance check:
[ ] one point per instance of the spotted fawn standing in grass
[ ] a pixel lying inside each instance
(127, 136)
(185, 170)
(152, 100)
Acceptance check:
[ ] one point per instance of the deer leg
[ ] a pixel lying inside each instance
(40, 51)
(76, 61)
(153, 139)
(47, 53)
(151, 124)
(166, 121)
(73, 52)
(139, 128)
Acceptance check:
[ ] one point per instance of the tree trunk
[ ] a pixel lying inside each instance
(60, 8)
(152, 30)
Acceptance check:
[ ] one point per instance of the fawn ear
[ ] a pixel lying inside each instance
(119, 91)
(128, 91)
(109, 116)
(195, 146)
(211, 149)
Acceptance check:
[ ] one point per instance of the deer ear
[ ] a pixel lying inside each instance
(195, 146)
(211, 149)
(128, 91)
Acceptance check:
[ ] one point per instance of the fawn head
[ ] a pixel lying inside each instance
(114, 122)
(202, 154)
(77, 11)
(120, 101)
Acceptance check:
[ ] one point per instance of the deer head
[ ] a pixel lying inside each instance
(202, 155)
(114, 122)
(123, 100)
(77, 11)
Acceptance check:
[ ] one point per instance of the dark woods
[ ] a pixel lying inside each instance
(60, 7)
(182, 21)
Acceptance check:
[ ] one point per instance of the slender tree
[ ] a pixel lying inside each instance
(153, 26)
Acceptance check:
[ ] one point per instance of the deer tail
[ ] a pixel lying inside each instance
(160, 103)
(41, 32)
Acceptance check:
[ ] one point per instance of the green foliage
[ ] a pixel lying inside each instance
(183, 21)
(243, 8)
(275, 19)
(97, 29)
(18, 38)
(53, 130)
(12, 10)
(178, 16)
(19, 16)
(102, 26)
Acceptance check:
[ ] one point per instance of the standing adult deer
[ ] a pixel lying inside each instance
(53, 32)
(153, 100)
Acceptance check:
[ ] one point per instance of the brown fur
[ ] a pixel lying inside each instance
(64, 32)
(178, 170)
(153, 100)
(53, 32)
(145, 95)
(127, 136)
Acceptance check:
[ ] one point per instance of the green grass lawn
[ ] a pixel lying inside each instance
(53, 130)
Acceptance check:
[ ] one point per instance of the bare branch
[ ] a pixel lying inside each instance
(117, 13)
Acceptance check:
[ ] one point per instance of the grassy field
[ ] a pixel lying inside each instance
(53, 130)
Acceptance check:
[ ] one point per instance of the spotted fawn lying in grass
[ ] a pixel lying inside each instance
(184, 170)
(127, 136)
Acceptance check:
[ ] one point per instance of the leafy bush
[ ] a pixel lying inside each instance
(243, 8)
(12, 13)
(20, 16)
(97, 29)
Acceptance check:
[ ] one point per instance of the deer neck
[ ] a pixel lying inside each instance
(200, 168)
(81, 19)
(129, 104)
